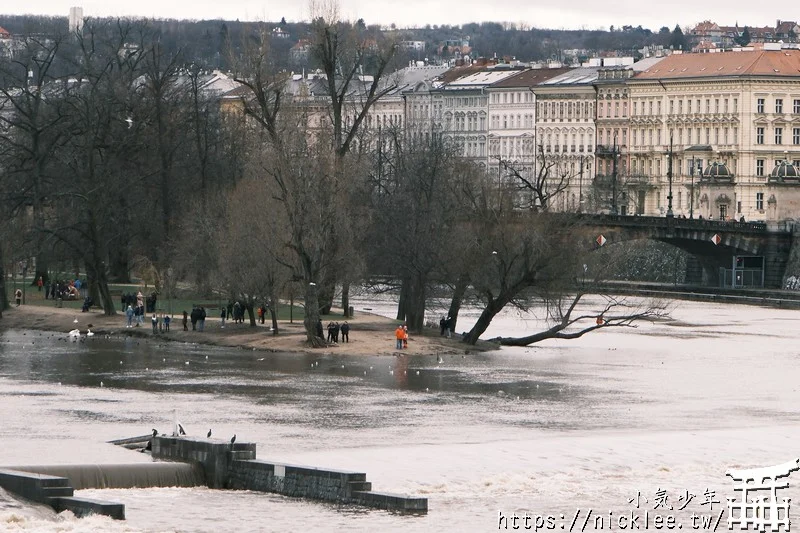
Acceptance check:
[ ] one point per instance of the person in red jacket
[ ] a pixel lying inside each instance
(399, 334)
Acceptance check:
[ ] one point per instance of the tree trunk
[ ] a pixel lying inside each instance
(458, 296)
(274, 316)
(3, 295)
(312, 316)
(402, 303)
(96, 272)
(415, 310)
(250, 306)
(489, 312)
(346, 298)
(326, 294)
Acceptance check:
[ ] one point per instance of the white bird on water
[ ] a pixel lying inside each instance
(75, 321)
(75, 333)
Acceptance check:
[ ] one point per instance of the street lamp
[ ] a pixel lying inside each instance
(580, 188)
(670, 214)
(614, 177)
(691, 191)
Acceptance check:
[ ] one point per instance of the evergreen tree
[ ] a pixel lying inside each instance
(678, 40)
(744, 38)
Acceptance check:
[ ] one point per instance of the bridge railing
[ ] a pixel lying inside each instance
(679, 223)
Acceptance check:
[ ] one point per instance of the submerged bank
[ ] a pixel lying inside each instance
(369, 334)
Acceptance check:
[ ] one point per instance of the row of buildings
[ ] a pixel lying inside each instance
(714, 135)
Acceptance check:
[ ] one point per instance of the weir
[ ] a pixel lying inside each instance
(193, 462)
(234, 466)
(129, 476)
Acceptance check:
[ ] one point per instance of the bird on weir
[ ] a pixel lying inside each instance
(233, 439)
(209, 434)
(155, 432)
(181, 431)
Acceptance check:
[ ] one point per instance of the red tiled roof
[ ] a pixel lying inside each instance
(4, 32)
(755, 63)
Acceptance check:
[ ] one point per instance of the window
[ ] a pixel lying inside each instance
(680, 107)
(708, 105)
(735, 105)
(760, 105)
(779, 105)
(759, 135)
(760, 201)
(726, 105)
(760, 167)
(795, 135)
(796, 106)
(716, 105)
(778, 135)
(671, 107)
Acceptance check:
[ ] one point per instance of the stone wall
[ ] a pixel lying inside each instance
(301, 481)
(234, 466)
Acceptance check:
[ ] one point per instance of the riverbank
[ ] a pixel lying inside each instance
(369, 334)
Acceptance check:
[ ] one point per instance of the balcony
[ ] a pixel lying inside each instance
(608, 149)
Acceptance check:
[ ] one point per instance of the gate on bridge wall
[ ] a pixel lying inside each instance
(747, 272)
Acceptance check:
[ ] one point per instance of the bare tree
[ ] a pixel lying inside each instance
(252, 259)
(31, 129)
(538, 181)
(570, 322)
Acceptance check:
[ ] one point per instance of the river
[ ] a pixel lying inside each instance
(617, 418)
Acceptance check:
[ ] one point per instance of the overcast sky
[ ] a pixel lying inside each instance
(408, 13)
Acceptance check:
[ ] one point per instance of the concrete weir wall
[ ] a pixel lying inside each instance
(56, 492)
(234, 466)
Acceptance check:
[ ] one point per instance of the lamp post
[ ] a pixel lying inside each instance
(670, 214)
(614, 177)
(691, 191)
(580, 188)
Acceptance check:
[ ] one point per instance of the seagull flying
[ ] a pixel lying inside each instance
(129, 120)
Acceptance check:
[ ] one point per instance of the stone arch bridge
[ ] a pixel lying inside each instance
(723, 252)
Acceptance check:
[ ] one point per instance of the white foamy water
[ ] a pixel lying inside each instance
(564, 425)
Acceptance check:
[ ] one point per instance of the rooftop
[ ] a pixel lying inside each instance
(529, 78)
(734, 63)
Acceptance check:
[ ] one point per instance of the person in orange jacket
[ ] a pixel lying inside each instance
(405, 336)
(399, 334)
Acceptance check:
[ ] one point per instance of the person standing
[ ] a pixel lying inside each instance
(129, 316)
(405, 336)
(18, 297)
(222, 316)
(40, 283)
(201, 322)
(185, 321)
(345, 332)
(167, 320)
(399, 335)
(154, 320)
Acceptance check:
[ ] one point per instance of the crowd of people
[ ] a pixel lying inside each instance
(62, 289)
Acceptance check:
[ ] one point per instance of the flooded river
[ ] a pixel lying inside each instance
(650, 417)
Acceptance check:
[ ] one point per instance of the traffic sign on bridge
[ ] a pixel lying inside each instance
(716, 239)
(600, 240)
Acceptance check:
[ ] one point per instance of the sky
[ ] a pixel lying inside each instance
(590, 14)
